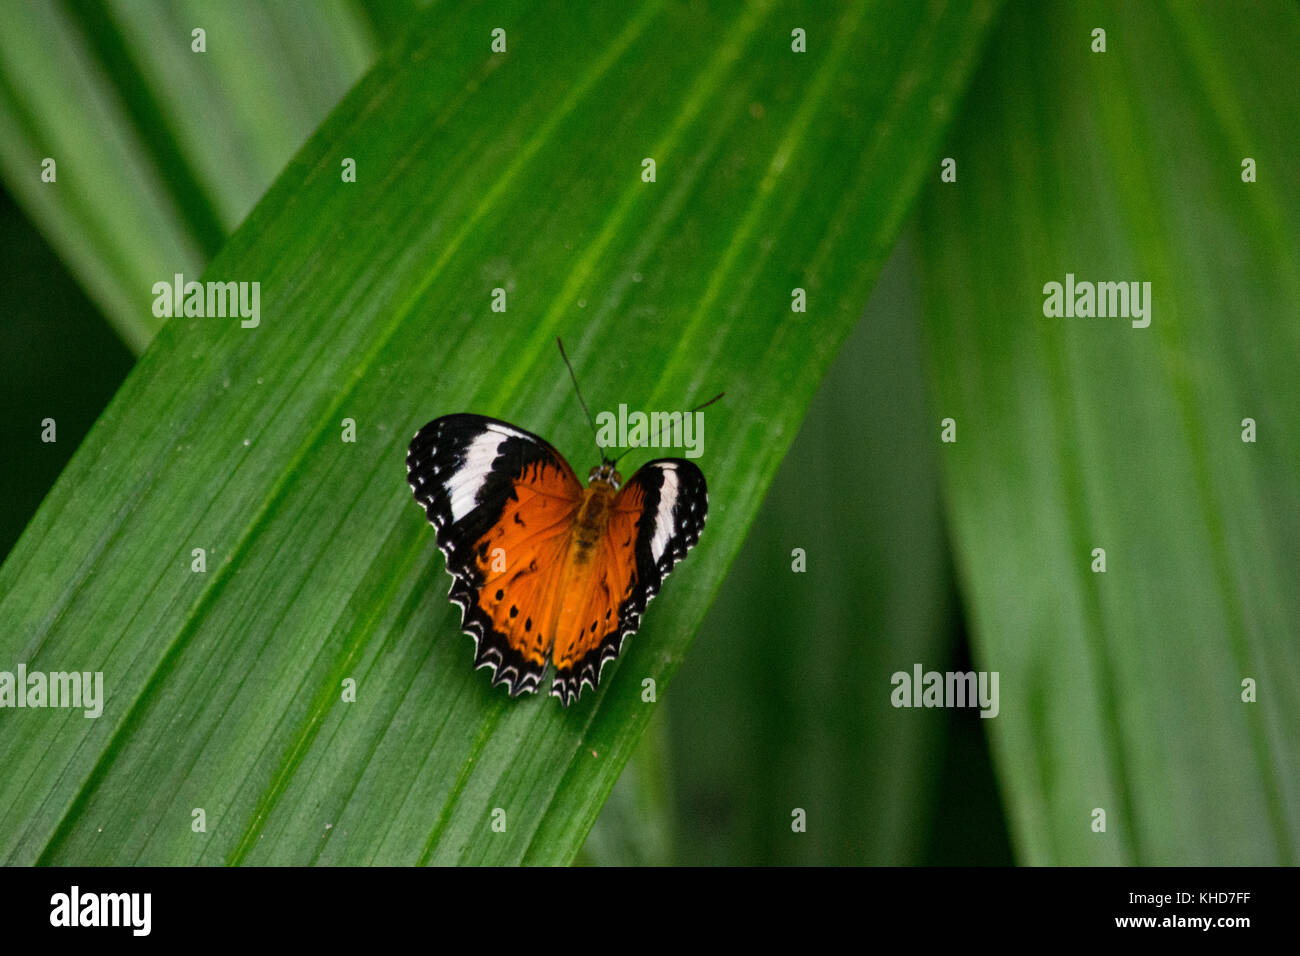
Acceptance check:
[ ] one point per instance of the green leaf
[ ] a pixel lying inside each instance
(635, 826)
(791, 674)
(161, 151)
(476, 171)
(1123, 690)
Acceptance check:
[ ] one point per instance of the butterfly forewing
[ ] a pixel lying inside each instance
(502, 501)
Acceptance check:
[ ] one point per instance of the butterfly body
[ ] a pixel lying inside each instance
(545, 570)
(592, 519)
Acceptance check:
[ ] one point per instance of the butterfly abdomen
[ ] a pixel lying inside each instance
(592, 520)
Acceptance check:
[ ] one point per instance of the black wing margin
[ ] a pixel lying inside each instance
(462, 469)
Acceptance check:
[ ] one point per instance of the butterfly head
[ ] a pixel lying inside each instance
(605, 472)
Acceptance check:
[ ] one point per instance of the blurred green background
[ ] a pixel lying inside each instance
(1119, 691)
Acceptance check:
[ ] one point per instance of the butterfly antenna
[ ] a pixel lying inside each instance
(691, 412)
(581, 400)
(706, 404)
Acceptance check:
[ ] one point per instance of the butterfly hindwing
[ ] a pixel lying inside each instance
(655, 519)
(502, 501)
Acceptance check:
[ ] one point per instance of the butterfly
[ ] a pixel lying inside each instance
(545, 570)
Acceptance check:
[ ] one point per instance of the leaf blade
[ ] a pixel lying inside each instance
(1123, 689)
(485, 175)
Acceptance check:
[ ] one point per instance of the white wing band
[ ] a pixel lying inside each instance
(664, 514)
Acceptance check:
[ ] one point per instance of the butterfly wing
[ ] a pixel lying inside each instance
(502, 501)
(655, 519)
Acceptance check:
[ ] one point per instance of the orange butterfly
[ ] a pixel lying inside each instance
(543, 569)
